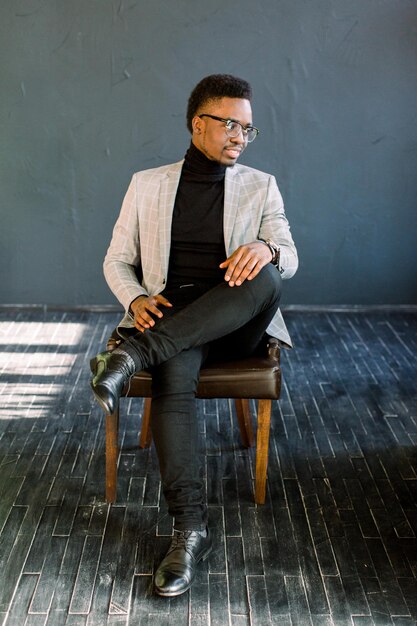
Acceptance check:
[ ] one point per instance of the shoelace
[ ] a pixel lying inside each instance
(126, 367)
(180, 540)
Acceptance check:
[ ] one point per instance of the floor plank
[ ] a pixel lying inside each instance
(335, 543)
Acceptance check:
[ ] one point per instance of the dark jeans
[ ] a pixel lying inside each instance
(229, 321)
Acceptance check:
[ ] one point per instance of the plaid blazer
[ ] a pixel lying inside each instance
(253, 208)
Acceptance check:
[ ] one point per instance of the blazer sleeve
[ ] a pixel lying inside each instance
(123, 255)
(275, 226)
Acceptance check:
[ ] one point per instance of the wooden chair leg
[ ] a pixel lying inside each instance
(262, 446)
(145, 438)
(112, 453)
(245, 422)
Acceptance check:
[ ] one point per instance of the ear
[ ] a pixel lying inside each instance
(197, 124)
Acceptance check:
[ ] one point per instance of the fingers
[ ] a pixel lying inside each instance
(245, 263)
(148, 310)
(162, 300)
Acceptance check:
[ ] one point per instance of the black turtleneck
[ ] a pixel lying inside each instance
(197, 240)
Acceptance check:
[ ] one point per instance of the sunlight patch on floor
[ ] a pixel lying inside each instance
(34, 365)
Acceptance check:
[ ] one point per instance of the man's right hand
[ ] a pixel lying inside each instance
(145, 307)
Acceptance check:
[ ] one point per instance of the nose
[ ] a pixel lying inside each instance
(241, 138)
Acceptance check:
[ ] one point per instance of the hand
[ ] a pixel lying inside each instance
(144, 307)
(246, 262)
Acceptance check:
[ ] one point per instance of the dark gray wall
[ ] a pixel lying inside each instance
(93, 90)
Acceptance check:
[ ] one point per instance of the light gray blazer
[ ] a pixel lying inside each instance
(253, 208)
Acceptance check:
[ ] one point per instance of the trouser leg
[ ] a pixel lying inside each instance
(242, 342)
(218, 312)
(175, 431)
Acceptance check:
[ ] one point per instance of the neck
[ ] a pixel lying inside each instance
(196, 161)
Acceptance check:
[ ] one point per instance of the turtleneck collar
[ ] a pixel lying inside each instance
(197, 163)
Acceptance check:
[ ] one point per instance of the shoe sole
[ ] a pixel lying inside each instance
(93, 365)
(165, 594)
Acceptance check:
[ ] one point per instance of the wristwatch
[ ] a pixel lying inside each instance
(275, 250)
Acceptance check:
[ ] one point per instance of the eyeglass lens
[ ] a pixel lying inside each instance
(234, 128)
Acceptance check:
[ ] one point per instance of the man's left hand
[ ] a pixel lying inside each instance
(246, 262)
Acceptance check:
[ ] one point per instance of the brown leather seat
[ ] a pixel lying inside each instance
(256, 377)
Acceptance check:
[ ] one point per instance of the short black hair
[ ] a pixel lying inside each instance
(215, 87)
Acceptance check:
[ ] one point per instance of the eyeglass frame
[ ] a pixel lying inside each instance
(226, 121)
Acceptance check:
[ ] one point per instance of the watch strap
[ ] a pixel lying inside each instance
(274, 248)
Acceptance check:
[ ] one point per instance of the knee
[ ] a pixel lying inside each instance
(269, 280)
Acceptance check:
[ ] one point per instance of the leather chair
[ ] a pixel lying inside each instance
(257, 377)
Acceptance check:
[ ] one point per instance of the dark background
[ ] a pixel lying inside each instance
(93, 90)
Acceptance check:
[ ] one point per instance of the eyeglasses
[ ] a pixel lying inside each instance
(233, 128)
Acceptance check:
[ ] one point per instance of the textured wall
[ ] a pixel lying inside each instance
(93, 90)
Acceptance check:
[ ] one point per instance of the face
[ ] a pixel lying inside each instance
(209, 135)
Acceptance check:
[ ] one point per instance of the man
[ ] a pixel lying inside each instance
(210, 242)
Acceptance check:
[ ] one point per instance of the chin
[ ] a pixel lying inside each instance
(229, 162)
(226, 160)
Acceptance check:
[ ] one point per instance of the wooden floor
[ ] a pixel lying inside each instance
(335, 543)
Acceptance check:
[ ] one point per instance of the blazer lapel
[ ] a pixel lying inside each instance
(167, 193)
(231, 203)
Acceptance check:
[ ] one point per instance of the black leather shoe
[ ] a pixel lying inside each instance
(177, 571)
(111, 372)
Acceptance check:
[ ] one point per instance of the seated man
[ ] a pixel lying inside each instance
(211, 243)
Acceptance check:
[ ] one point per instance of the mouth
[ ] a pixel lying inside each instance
(233, 153)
